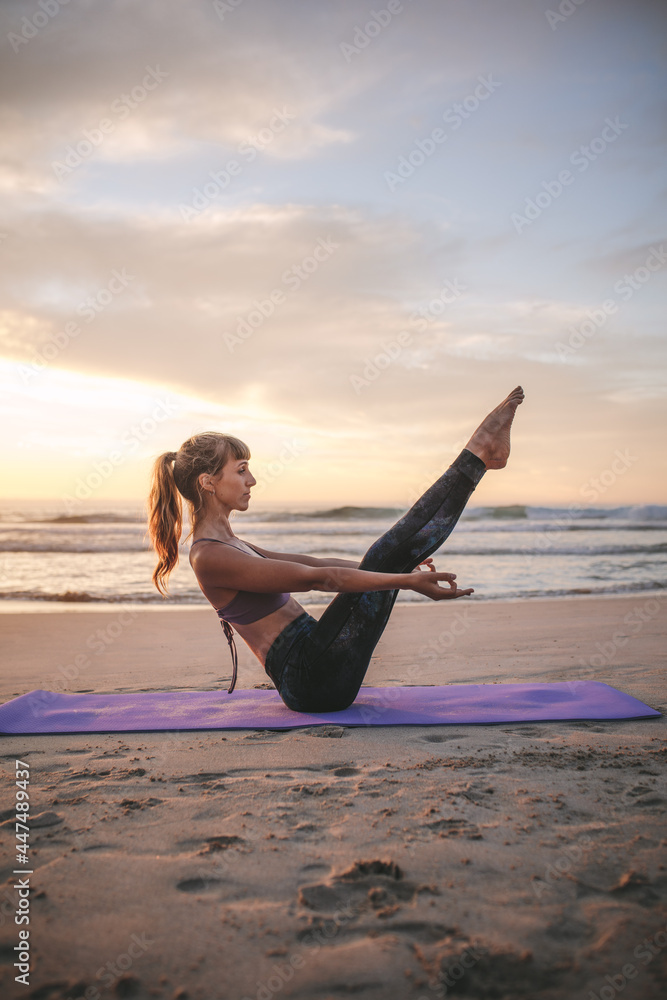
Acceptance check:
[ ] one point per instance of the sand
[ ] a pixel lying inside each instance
(523, 861)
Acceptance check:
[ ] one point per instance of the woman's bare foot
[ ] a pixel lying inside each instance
(491, 440)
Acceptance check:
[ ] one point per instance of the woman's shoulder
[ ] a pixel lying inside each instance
(238, 543)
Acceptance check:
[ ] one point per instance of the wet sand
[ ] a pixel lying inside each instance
(381, 862)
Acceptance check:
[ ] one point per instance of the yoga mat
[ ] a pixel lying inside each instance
(454, 704)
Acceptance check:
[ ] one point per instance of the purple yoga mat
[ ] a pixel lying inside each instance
(49, 712)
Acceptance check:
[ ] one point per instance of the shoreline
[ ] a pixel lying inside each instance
(20, 607)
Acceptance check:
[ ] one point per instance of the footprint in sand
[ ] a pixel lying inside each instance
(266, 735)
(307, 790)
(131, 805)
(203, 778)
(645, 796)
(199, 884)
(497, 973)
(479, 793)
(208, 845)
(636, 887)
(367, 885)
(454, 827)
(303, 831)
(438, 738)
(326, 732)
(39, 819)
(633, 887)
(221, 843)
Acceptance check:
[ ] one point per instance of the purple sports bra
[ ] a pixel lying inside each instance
(244, 609)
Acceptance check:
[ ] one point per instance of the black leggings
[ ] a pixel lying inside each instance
(319, 666)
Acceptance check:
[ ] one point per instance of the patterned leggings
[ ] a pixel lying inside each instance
(319, 665)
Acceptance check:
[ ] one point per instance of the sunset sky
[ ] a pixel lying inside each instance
(341, 231)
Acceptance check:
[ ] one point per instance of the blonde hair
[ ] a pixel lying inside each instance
(176, 474)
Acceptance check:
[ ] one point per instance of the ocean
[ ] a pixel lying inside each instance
(101, 554)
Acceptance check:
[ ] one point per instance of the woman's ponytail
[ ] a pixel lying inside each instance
(165, 518)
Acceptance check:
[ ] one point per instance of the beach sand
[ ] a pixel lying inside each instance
(507, 861)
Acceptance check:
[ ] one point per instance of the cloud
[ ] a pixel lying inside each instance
(277, 295)
(268, 295)
(176, 80)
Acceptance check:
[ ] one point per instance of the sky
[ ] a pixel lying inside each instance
(340, 231)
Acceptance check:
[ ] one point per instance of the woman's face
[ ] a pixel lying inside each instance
(233, 484)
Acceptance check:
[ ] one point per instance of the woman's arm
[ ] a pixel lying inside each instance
(314, 561)
(235, 570)
(336, 562)
(305, 560)
(353, 581)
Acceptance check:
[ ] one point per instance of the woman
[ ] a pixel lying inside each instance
(316, 665)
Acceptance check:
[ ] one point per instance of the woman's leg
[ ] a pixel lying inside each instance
(325, 667)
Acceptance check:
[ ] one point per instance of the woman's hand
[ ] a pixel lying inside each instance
(426, 583)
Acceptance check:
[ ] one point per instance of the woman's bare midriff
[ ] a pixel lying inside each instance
(260, 635)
